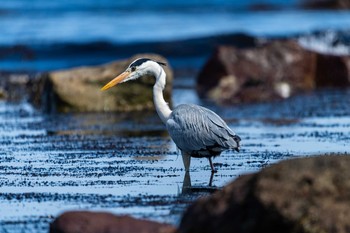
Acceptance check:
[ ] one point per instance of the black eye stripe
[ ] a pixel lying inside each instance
(138, 62)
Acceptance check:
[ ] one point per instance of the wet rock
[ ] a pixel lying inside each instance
(269, 72)
(93, 222)
(275, 70)
(326, 4)
(332, 71)
(299, 195)
(78, 89)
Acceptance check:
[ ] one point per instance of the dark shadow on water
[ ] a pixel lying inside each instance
(123, 133)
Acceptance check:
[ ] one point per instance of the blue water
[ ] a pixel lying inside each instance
(35, 33)
(119, 26)
(39, 21)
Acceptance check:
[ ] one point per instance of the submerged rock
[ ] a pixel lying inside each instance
(299, 195)
(93, 222)
(275, 70)
(78, 89)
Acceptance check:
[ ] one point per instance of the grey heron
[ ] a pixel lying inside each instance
(197, 131)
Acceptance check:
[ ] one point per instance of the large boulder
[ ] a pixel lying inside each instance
(100, 222)
(275, 70)
(300, 195)
(78, 89)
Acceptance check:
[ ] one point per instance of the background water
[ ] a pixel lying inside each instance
(46, 35)
(126, 163)
(130, 24)
(56, 21)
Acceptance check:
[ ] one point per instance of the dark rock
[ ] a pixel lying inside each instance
(275, 70)
(326, 4)
(93, 222)
(299, 195)
(332, 71)
(78, 89)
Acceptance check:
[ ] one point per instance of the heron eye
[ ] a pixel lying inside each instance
(133, 68)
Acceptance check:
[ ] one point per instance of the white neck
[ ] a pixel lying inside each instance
(162, 107)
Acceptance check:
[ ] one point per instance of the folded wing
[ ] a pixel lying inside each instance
(195, 128)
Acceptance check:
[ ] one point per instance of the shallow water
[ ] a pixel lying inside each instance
(127, 164)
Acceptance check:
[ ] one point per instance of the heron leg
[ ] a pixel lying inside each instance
(211, 179)
(212, 166)
(186, 158)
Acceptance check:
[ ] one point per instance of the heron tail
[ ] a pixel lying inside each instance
(237, 139)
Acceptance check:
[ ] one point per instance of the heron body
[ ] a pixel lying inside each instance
(197, 131)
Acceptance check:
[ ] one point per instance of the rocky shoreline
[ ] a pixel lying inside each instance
(240, 69)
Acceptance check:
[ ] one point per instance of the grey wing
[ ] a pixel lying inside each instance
(195, 128)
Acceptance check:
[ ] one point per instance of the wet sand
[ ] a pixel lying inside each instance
(127, 164)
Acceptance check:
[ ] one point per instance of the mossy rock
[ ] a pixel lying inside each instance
(78, 89)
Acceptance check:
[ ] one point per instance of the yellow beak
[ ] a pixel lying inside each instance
(116, 80)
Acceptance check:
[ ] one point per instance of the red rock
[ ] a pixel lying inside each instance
(94, 222)
(299, 195)
(276, 70)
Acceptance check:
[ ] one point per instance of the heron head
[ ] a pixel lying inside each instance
(138, 68)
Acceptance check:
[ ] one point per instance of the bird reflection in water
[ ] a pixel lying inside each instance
(187, 187)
